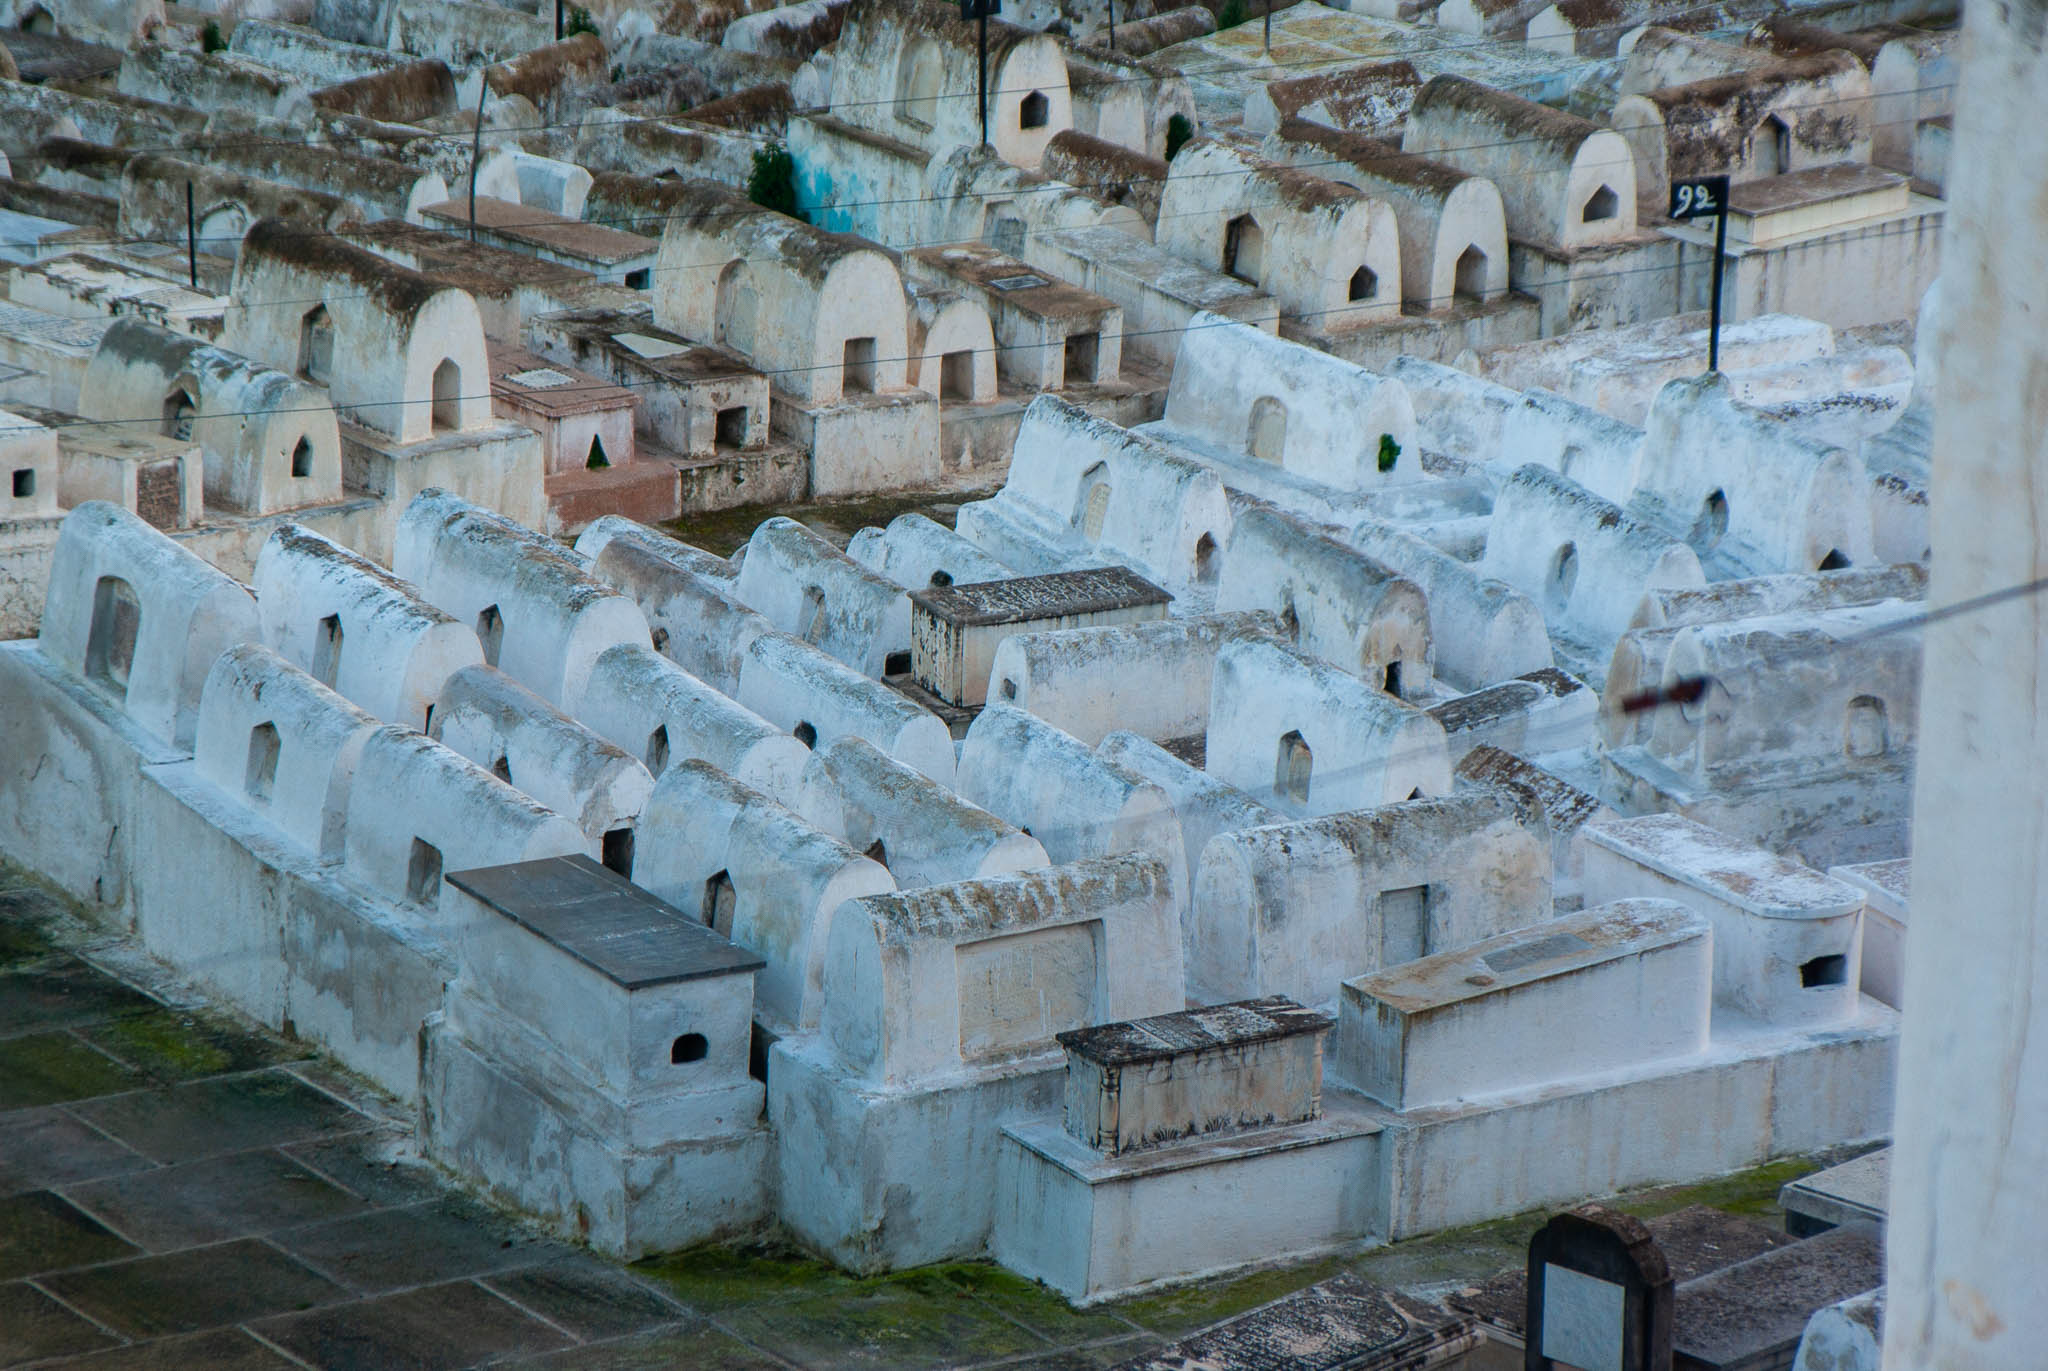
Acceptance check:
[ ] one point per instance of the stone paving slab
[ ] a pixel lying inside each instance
(391, 1249)
(208, 1287)
(33, 1325)
(42, 1231)
(226, 1114)
(45, 1147)
(438, 1328)
(242, 1194)
(52, 1068)
(586, 1297)
(224, 1349)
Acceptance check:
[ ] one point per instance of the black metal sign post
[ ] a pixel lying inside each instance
(981, 10)
(1112, 25)
(1695, 197)
(191, 240)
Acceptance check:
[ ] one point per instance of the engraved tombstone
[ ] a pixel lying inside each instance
(1599, 1295)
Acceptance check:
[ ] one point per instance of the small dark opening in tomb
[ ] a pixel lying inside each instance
(758, 1045)
(617, 851)
(1393, 680)
(641, 279)
(1834, 561)
(806, 734)
(877, 852)
(691, 1047)
(896, 663)
(596, 461)
(1415, 794)
(1821, 972)
(423, 873)
(24, 482)
(732, 427)
(1032, 113)
(942, 578)
(490, 631)
(720, 898)
(1083, 352)
(302, 458)
(1009, 689)
(502, 769)
(657, 750)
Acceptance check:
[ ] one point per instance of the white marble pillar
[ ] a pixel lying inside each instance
(1968, 1261)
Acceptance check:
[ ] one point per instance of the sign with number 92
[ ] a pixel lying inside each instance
(1695, 197)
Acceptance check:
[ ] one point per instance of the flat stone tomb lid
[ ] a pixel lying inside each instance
(1744, 1315)
(1624, 928)
(1022, 599)
(1813, 186)
(605, 921)
(1861, 1184)
(1194, 1030)
(1345, 1321)
(1750, 878)
(532, 224)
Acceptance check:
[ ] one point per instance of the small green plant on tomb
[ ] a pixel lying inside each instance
(210, 39)
(1390, 452)
(1231, 15)
(1178, 131)
(772, 184)
(579, 21)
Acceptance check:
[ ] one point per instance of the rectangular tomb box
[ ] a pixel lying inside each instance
(955, 630)
(1615, 988)
(1252, 1064)
(648, 1003)
(1787, 939)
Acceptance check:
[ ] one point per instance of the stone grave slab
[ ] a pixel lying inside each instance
(1343, 1324)
(1854, 1192)
(1749, 1317)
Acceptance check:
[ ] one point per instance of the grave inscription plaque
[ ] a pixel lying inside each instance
(1599, 1295)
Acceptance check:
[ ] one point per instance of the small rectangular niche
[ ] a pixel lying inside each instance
(1822, 972)
(1084, 351)
(732, 427)
(858, 374)
(24, 483)
(618, 851)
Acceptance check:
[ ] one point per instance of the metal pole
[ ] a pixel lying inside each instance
(558, 21)
(476, 148)
(1112, 25)
(191, 240)
(1714, 317)
(984, 77)
(1266, 7)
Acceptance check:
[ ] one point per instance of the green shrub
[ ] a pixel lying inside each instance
(1390, 452)
(773, 182)
(210, 39)
(1231, 15)
(579, 21)
(1178, 131)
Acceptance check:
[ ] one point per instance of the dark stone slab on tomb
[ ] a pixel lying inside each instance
(1022, 599)
(1695, 1240)
(1343, 1324)
(1194, 1030)
(605, 921)
(1748, 1317)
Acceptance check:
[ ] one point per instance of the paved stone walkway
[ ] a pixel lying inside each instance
(180, 1191)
